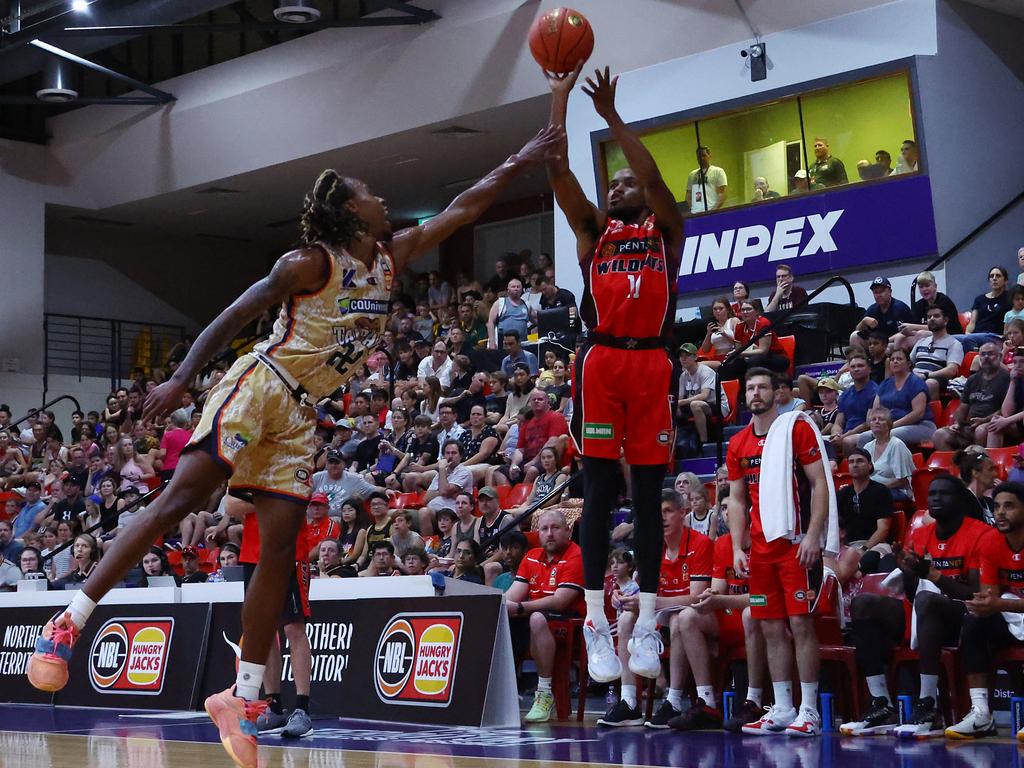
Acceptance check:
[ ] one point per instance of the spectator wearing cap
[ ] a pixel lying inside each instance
(886, 314)
(865, 512)
(320, 526)
(190, 567)
(72, 505)
(936, 358)
(30, 509)
(698, 396)
(346, 437)
(803, 183)
(828, 394)
(983, 394)
(516, 355)
(854, 404)
(338, 484)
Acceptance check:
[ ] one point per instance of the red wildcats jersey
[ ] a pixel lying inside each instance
(724, 566)
(630, 282)
(960, 553)
(1001, 567)
(693, 562)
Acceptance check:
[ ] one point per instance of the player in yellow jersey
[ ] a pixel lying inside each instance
(258, 423)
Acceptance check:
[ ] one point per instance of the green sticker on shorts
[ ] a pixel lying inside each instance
(759, 600)
(598, 431)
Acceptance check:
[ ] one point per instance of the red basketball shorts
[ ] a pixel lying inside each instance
(730, 630)
(622, 401)
(781, 587)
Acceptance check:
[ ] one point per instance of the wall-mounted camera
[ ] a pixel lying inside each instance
(758, 61)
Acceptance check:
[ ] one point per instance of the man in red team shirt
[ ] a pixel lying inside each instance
(985, 630)
(947, 554)
(721, 620)
(294, 615)
(685, 573)
(629, 256)
(320, 526)
(548, 583)
(785, 574)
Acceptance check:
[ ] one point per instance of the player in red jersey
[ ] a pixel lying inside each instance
(294, 616)
(721, 620)
(785, 574)
(629, 256)
(985, 630)
(684, 574)
(946, 554)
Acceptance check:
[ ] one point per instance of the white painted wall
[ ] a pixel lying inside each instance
(866, 38)
(23, 391)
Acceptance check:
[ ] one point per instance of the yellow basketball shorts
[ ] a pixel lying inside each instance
(253, 426)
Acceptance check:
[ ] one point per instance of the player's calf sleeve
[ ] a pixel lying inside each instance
(648, 533)
(599, 491)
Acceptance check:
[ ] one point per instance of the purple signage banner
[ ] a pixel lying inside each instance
(849, 227)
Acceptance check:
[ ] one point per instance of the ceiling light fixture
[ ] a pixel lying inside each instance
(79, 5)
(57, 88)
(296, 12)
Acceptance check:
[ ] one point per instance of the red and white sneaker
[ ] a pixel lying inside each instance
(48, 666)
(235, 718)
(807, 723)
(773, 722)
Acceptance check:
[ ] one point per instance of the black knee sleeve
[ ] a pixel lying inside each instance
(600, 479)
(648, 533)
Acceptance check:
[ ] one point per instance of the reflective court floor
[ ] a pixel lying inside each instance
(46, 737)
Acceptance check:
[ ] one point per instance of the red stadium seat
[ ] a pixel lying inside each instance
(519, 494)
(943, 460)
(965, 366)
(788, 344)
(935, 408)
(732, 395)
(407, 501)
(916, 522)
(949, 412)
(918, 460)
(965, 319)
(1004, 458)
(898, 528)
(504, 491)
(920, 480)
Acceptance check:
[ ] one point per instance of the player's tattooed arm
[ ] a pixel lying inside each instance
(299, 271)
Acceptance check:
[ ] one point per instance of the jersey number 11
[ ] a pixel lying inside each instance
(634, 286)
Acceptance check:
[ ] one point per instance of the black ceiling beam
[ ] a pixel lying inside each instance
(123, 100)
(423, 14)
(245, 16)
(162, 96)
(57, 21)
(260, 26)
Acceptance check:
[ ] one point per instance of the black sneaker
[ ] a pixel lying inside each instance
(879, 718)
(699, 717)
(747, 712)
(622, 715)
(665, 713)
(926, 721)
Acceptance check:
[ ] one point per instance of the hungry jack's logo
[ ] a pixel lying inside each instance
(130, 656)
(416, 659)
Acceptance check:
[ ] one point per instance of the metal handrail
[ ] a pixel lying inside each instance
(514, 523)
(772, 322)
(43, 407)
(963, 241)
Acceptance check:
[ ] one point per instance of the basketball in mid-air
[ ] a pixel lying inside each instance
(561, 39)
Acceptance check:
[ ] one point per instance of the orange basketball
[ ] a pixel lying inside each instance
(561, 39)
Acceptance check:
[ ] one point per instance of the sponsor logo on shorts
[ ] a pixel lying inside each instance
(800, 595)
(663, 437)
(416, 659)
(598, 431)
(129, 656)
(347, 304)
(236, 442)
(759, 600)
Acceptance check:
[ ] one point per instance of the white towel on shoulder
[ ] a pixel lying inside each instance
(778, 508)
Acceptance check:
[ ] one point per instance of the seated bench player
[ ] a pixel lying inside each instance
(549, 583)
(684, 574)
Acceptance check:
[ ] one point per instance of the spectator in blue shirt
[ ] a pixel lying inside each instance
(886, 314)
(854, 403)
(514, 353)
(33, 506)
(906, 397)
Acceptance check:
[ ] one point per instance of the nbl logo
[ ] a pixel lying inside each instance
(130, 656)
(416, 659)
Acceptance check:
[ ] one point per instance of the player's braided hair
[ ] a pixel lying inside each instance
(324, 216)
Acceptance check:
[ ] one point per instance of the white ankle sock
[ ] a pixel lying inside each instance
(783, 695)
(755, 695)
(595, 606)
(675, 698)
(81, 608)
(544, 684)
(930, 687)
(628, 695)
(248, 680)
(809, 696)
(647, 600)
(979, 699)
(878, 688)
(707, 694)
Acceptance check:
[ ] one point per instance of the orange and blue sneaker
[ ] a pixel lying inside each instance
(48, 665)
(235, 718)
